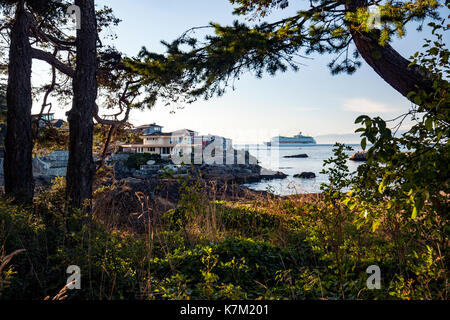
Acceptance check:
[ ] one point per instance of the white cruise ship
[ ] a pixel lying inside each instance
(295, 141)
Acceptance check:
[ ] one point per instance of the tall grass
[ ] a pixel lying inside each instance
(212, 241)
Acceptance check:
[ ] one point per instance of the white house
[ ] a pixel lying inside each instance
(155, 141)
(183, 141)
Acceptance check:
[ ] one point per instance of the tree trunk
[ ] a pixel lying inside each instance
(386, 62)
(18, 168)
(390, 65)
(81, 167)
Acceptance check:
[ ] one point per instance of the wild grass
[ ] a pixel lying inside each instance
(215, 244)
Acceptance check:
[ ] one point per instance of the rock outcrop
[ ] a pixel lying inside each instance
(53, 165)
(359, 156)
(239, 173)
(303, 155)
(305, 175)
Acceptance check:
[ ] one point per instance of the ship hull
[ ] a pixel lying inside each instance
(296, 141)
(290, 144)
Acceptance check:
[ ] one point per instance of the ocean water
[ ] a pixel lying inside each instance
(273, 158)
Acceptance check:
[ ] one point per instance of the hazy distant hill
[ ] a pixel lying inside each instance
(348, 138)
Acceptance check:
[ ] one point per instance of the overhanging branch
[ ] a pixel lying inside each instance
(53, 61)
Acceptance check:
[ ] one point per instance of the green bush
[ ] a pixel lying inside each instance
(136, 160)
(55, 239)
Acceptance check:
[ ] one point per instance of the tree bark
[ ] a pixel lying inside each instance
(391, 66)
(53, 61)
(18, 168)
(81, 167)
(387, 62)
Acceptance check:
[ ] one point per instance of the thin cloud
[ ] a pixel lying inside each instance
(366, 106)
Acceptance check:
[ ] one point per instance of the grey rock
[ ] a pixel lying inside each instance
(359, 156)
(305, 175)
(303, 155)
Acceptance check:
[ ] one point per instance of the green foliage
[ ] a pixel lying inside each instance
(192, 68)
(44, 7)
(393, 214)
(274, 249)
(53, 240)
(231, 269)
(18, 230)
(406, 180)
(339, 175)
(136, 160)
(49, 138)
(411, 170)
(261, 7)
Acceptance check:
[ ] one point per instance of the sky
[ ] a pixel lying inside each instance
(311, 100)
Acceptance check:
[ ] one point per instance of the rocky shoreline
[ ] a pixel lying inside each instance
(227, 173)
(159, 170)
(235, 173)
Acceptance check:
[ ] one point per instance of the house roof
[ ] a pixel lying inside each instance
(158, 134)
(57, 123)
(145, 126)
(184, 130)
(168, 134)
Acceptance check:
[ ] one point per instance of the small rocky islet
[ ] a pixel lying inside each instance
(305, 175)
(359, 156)
(296, 156)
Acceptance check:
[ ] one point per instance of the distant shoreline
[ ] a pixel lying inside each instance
(286, 147)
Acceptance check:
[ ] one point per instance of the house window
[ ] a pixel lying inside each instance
(48, 117)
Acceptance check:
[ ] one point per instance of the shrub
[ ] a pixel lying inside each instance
(136, 160)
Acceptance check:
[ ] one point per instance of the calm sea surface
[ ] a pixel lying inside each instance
(273, 158)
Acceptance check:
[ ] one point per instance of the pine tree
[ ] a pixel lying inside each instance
(17, 167)
(81, 167)
(343, 29)
(45, 20)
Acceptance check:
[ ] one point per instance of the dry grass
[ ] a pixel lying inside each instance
(4, 262)
(131, 203)
(8, 258)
